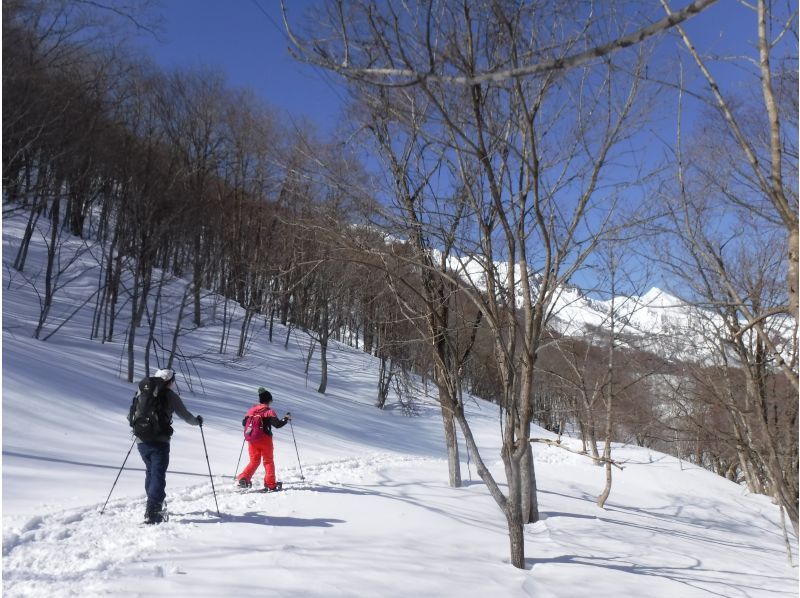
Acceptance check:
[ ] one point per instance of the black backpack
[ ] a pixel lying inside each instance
(148, 415)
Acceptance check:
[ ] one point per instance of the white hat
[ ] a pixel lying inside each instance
(167, 374)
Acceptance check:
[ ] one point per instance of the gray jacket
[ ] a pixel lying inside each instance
(175, 405)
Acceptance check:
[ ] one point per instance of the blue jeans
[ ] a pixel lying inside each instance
(156, 460)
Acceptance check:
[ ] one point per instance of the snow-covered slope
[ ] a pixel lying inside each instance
(367, 510)
(656, 321)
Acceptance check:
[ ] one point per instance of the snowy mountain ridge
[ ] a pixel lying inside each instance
(575, 314)
(657, 321)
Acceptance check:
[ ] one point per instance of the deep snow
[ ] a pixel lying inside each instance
(374, 515)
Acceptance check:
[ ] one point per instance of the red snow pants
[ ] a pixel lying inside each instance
(260, 451)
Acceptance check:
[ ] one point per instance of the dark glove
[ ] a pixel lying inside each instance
(288, 416)
(200, 420)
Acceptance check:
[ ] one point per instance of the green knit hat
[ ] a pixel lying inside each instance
(264, 396)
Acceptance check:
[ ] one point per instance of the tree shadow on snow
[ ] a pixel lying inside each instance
(548, 514)
(97, 465)
(304, 487)
(401, 491)
(469, 483)
(675, 517)
(669, 521)
(694, 576)
(257, 518)
(333, 489)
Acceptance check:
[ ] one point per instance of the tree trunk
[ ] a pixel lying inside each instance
(324, 333)
(286, 341)
(368, 337)
(530, 501)
(513, 513)
(106, 271)
(197, 279)
(285, 308)
(22, 252)
(591, 436)
(146, 283)
(794, 252)
(153, 318)
(323, 364)
(601, 500)
(385, 376)
(271, 323)
(111, 310)
(223, 340)
(244, 332)
(451, 440)
(132, 328)
(50, 276)
(311, 347)
(176, 332)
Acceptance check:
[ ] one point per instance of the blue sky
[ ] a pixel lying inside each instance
(245, 40)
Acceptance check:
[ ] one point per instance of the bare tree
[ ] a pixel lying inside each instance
(732, 265)
(744, 275)
(760, 150)
(512, 178)
(355, 61)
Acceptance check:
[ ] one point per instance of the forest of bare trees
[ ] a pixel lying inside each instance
(501, 136)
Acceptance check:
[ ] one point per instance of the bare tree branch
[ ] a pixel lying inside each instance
(382, 76)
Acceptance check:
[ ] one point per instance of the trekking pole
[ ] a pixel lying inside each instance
(296, 451)
(118, 474)
(239, 460)
(203, 436)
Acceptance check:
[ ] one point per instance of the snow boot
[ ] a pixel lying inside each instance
(244, 483)
(155, 514)
(277, 488)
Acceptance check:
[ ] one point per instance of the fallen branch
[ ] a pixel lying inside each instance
(558, 444)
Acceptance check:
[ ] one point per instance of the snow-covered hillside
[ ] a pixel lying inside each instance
(366, 509)
(656, 322)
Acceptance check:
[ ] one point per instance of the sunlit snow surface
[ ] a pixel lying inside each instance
(373, 516)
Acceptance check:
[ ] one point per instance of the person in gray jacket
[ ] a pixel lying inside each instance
(155, 452)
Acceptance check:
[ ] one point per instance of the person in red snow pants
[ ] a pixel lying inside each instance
(259, 440)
